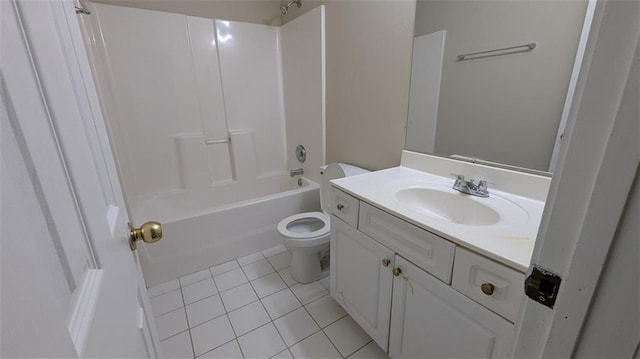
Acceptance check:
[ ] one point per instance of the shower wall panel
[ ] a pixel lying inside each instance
(202, 38)
(303, 64)
(149, 75)
(186, 109)
(250, 67)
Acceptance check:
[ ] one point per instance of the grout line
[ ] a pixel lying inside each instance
(212, 349)
(265, 309)
(272, 320)
(235, 335)
(167, 311)
(207, 321)
(331, 341)
(184, 307)
(319, 326)
(166, 291)
(328, 325)
(296, 343)
(196, 282)
(292, 310)
(285, 350)
(171, 311)
(215, 285)
(227, 271)
(225, 343)
(262, 255)
(357, 350)
(173, 335)
(235, 286)
(200, 300)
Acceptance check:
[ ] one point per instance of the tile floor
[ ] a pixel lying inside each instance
(252, 308)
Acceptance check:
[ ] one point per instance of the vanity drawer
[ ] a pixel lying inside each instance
(426, 250)
(345, 207)
(489, 283)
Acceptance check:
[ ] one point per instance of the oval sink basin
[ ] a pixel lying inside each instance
(447, 206)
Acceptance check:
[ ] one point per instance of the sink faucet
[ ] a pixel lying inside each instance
(470, 187)
(296, 172)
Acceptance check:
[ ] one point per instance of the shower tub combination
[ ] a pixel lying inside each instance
(197, 148)
(203, 231)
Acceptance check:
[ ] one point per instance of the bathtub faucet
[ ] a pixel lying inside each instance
(296, 172)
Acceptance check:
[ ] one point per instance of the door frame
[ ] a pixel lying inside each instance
(589, 191)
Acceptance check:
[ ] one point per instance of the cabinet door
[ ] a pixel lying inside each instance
(429, 319)
(361, 279)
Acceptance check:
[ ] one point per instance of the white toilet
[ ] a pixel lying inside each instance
(306, 235)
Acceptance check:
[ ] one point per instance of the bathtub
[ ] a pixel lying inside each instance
(208, 227)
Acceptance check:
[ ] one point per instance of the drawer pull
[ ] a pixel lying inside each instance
(339, 207)
(397, 271)
(487, 288)
(386, 262)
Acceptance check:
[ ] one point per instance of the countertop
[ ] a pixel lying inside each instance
(508, 243)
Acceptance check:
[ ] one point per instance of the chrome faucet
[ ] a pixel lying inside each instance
(470, 187)
(296, 172)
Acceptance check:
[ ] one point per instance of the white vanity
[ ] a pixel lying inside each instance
(426, 270)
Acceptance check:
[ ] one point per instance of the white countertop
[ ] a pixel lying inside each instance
(508, 243)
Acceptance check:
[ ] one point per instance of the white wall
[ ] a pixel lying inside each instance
(303, 64)
(265, 12)
(368, 69)
(505, 108)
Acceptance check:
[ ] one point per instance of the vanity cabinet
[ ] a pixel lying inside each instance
(429, 319)
(393, 278)
(364, 279)
(430, 252)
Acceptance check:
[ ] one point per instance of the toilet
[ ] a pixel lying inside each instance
(307, 234)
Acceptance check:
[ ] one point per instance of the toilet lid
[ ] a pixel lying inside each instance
(301, 226)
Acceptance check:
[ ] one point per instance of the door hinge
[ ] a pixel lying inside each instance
(542, 285)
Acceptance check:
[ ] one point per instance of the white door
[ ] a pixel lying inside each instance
(429, 319)
(362, 284)
(71, 287)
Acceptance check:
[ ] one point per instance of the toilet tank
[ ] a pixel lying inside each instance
(334, 171)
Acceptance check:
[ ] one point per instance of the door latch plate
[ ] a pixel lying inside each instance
(542, 285)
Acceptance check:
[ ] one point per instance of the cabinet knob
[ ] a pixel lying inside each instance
(386, 262)
(339, 207)
(397, 271)
(487, 288)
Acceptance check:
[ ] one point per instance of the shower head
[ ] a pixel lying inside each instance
(285, 8)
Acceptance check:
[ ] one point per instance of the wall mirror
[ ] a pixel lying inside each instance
(501, 106)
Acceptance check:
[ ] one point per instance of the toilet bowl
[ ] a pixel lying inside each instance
(307, 235)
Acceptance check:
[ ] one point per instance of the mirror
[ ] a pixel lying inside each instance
(504, 106)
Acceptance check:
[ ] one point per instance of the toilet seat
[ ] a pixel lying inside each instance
(305, 239)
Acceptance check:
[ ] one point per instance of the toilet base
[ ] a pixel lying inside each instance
(306, 267)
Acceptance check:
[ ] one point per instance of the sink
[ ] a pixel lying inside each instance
(449, 207)
(440, 202)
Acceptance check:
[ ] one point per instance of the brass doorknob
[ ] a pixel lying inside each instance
(396, 271)
(487, 288)
(149, 232)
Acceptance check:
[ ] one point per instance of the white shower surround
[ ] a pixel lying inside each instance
(196, 113)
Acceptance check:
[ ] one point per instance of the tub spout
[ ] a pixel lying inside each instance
(296, 172)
